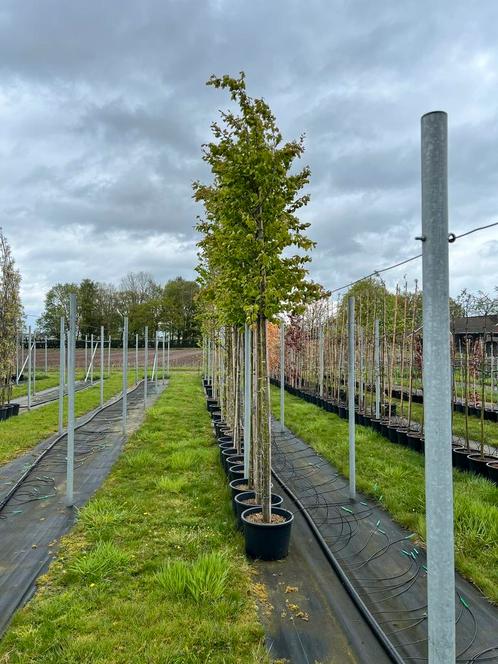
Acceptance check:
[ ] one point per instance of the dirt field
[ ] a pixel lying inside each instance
(179, 357)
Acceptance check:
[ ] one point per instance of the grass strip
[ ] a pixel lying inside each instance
(394, 476)
(21, 433)
(153, 571)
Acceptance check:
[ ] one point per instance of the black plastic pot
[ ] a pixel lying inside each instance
(267, 541)
(383, 429)
(211, 403)
(375, 424)
(225, 453)
(3, 413)
(235, 471)
(240, 507)
(460, 457)
(343, 412)
(15, 407)
(492, 471)
(392, 434)
(478, 464)
(234, 487)
(235, 459)
(216, 415)
(223, 440)
(414, 441)
(401, 436)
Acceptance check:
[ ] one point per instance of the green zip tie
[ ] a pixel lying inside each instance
(362, 503)
(346, 509)
(405, 553)
(464, 602)
(378, 523)
(425, 568)
(413, 556)
(383, 532)
(409, 536)
(416, 551)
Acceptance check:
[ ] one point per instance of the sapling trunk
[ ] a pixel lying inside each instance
(412, 355)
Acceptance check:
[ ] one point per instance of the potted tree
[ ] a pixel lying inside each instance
(250, 225)
(10, 313)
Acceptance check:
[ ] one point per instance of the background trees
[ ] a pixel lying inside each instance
(171, 307)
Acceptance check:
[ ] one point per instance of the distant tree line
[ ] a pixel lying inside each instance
(171, 307)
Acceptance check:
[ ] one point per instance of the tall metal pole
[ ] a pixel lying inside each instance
(70, 401)
(437, 390)
(157, 360)
(34, 363)
(163, 346)
(91, 358)
(109, 358)
(247, 399)
(167, 370)
(282, 376)
(361, 367)
(17, 356)
(46, 357)
(125, 372)
(146, 364)
(102, 365)
(320, 359)
(377, 368)
(209, 361)
(62, 373)
(86, 354)
(136, 358)
(351, 388)
(29, 367)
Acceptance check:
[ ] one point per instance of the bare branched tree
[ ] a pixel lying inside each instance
(10, 313)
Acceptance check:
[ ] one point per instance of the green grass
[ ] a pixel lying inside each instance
(394, 475)
(154, 571)
(19, 434)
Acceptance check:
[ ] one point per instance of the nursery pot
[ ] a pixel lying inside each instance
(240, 506)
(225, 453)
(223, 440)
(211, 403)
(342, 412)
(478, 463)
(267, 541)
(414, 441)
(235, 460)
(235, 471)
(15, 408)
(401, 436)
(392, 433)
(3, 412)
(375, 424)
(492, 469)
(460, 457)
(216, 416)
(235, 490)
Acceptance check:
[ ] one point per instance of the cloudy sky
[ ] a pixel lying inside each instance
(103, 110)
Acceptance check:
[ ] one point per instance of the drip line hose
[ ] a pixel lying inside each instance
(49, 448)
(360, 604)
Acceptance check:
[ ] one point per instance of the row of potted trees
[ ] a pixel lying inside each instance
(249, 278)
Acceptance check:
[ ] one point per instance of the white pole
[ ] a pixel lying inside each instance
(167, 371)
(92, 356)
(437, 391)
(109, 358)
(125, 372)
(163, 342)
(29, 367)
(17, 356)
(362, 351)
(320, 359)
(146, 364)
(70, 401)
(156, 360)
(282, 376)
(136, 358)
(62, 373)
(34, 363)
(377, 368)
(101, 365)
(247, 399)
(351, 409)
(46, 357)
(86, 355)
(209, 361)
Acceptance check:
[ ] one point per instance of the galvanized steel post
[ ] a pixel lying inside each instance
(29, 367)
(101, 365)
(282, 376)
(247, 399)
(70, 401)
(62, 373)
(146, 364)
(320, 359)
(351, 389)
(437, 390)
(377, 368)
(125, 372)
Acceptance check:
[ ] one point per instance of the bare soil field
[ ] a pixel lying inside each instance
(179, 357)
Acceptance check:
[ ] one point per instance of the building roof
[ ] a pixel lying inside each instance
(475, 325)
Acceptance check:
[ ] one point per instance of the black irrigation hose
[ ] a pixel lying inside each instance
(360, 604)
(20, 480)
